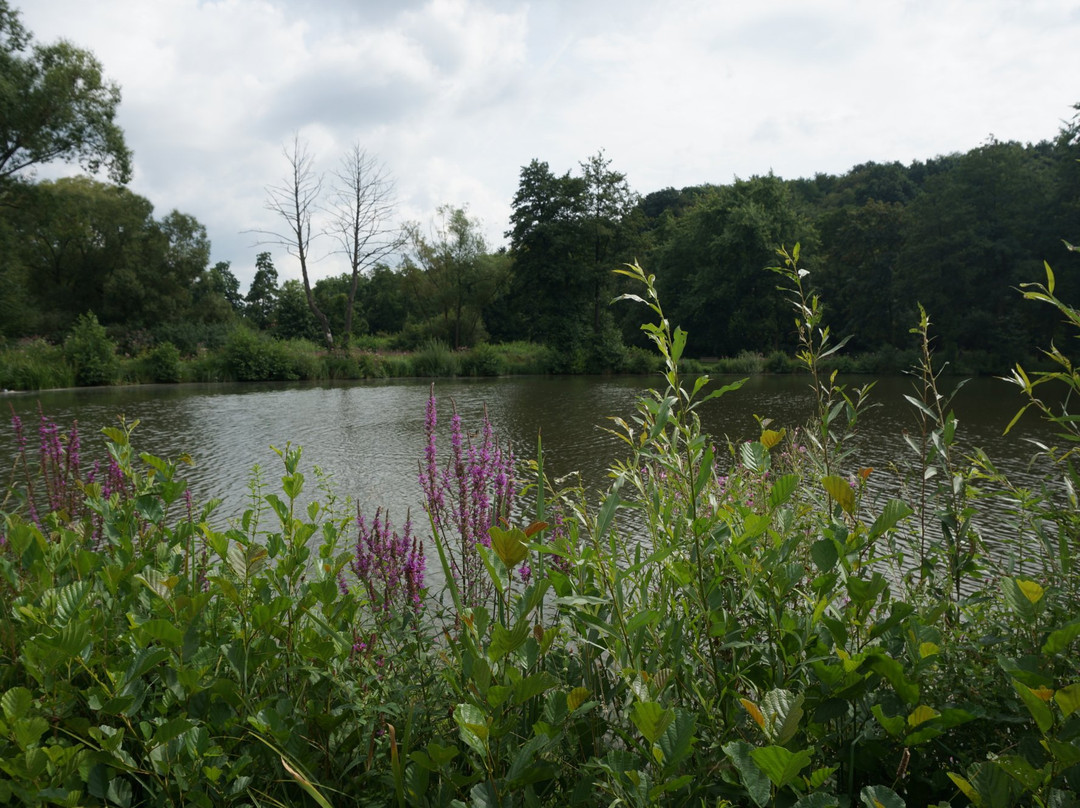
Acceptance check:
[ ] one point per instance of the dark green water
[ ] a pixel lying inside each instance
(369, 436)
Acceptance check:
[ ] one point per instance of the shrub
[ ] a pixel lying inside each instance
(483, 360)
(91, 352)
(434, 359)
(253, 357)
(163, 363)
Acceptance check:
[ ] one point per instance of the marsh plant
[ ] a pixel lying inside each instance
(725, 625)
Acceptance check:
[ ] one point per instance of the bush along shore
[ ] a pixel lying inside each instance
(740, 625)
(89, 357)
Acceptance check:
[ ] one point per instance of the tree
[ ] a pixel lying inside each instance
(362, 219)
(55, 104)
(263, 293)
(452, 276)
(294, 203)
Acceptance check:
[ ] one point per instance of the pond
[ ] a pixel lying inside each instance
(369, 436)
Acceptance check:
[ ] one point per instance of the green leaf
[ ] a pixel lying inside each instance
(824, 554)
(1038, 708)
(880, 797)
(1068, 699)
(677, 742)
(839, 489)
(1022, 606)
(754, 456)
(782, 711)
(532, 686)
(818, 800)
(782, 490)
(504, 641)
(894, 725)
(1062, 638)
(472, 724)
(753, 778)
(894, 511)
(780, 765)
(651, 719)
(16, 703)
(509, 545)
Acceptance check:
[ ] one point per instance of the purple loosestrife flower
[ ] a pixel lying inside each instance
(389, 565)
(466, 496)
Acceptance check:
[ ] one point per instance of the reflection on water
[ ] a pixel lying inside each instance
(368, 436)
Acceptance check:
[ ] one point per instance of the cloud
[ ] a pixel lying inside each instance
(455, 96)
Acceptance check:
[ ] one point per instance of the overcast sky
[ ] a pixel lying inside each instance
(455, 96)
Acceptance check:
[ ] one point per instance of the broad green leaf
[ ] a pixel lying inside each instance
(753, 777)
(1062, 638)
(920, 715)
(1038, 708)
(890, 516)
(1022, 771)
(894, 725)
(824, 554)
(928, 649)
(16, 703)
(1068, 698)
(783, 712)
(966, 788)
(532, 686)
(782, 490)
(504, 641)
(678, 739)
(754, 456)
(840, 490)
(780, 765)
(473, 727)
(651, 719)
(509, 545)
(1022, 606)
(880, 797)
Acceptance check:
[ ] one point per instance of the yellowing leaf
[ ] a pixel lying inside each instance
(928, 649)
(770, 437)
(1032, 591)
(921, 714)
(576, 697)
(755, 713)
(1042, 692)
(839, 489)
(509, 545)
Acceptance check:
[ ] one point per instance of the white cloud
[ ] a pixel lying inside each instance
(456, 95)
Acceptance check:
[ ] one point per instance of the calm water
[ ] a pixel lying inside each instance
(368, 436)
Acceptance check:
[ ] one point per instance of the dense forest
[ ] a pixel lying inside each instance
(957, 233)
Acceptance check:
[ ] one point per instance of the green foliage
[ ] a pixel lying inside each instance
(91, 352)
(483, 360)
(34, 364)
(254, 357)
(434, 359)
(57, 105)
(747, 624)
(163, 363)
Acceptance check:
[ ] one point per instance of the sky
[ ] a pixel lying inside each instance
(454, 97)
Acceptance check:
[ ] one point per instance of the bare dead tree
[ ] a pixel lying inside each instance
(362, 213)
(294, 201)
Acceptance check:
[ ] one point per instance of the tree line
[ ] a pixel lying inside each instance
(956, 233)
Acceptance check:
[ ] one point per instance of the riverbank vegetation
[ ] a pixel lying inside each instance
(725, 625)
(955, 232)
